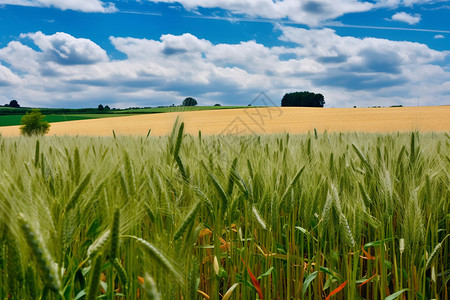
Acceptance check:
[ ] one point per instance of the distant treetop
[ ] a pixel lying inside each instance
(13, 103)
(189, 101)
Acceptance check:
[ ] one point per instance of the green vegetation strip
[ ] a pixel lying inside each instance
(175, 109)
(11, 120)
(314, 216)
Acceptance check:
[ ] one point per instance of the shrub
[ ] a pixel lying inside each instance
(33, 124)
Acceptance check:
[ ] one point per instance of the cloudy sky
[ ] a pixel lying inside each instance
(124, 53)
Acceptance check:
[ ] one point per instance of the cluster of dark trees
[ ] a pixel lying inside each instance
(12, 103)
(304, 99)
(103, 108)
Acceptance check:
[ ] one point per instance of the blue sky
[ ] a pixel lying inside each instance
(125, 53)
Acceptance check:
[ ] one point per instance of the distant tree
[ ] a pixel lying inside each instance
(107, 108)
(305, 99)
(189, 101)
(217, 104)
(33, 124)
(101, 108)
(13, 103)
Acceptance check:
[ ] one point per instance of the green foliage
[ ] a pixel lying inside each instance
(305, 99)
(189, 101)
(33, 124)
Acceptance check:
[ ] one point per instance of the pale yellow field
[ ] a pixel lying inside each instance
(262, 120)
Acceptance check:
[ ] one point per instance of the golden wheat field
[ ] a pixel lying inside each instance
(263, 120)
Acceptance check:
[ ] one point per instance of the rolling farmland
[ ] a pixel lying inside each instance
(356, 209)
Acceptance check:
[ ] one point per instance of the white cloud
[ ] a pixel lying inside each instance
(310, 12)
(347, 70)
(79, 5)
(64, 49)
(22, 57)
(325, 45)
(439, 36)
(7, 77)
(405, 17)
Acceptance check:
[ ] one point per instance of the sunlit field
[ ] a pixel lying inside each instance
(193, 216)
(263, 120)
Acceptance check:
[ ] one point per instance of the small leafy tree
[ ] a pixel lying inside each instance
(100, 107)
(189, 101)
(33, 124)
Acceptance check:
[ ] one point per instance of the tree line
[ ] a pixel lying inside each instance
(299, 99)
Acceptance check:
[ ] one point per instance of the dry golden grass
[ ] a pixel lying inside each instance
(263, 120)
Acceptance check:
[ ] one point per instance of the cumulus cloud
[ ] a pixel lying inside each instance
(7, 77)
(406, 18)
(65, 49)
(347, 70)
(22, 57)
(439, 36)
(79, 5)
(325, 43)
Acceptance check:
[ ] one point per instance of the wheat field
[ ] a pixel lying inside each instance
(281, 216)
(263, 120)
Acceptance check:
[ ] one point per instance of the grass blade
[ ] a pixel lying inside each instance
(308, 281)
(396, 294)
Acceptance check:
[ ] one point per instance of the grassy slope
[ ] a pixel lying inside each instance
(11, 120)
(175, 109)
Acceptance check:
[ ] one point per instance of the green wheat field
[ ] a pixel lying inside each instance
(313, 216)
